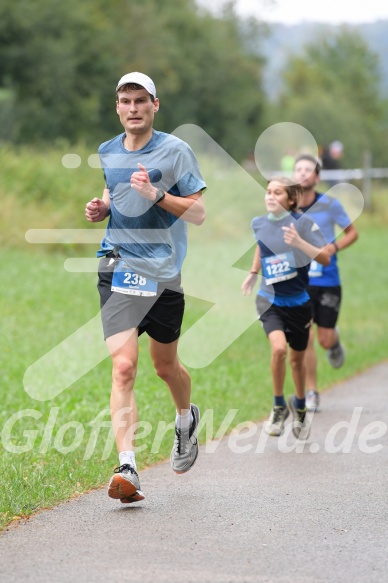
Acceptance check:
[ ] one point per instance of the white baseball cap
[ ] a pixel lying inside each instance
(337, 145)
(139, 79)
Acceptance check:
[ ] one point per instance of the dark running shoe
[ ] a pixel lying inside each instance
(336, 355)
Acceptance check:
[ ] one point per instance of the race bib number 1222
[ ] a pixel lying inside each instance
(279, 268)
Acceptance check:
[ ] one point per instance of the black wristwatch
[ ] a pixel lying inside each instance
(161, 194)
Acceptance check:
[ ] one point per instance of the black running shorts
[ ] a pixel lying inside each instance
(326, 303)
(295, 322)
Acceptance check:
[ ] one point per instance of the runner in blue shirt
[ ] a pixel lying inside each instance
(287, 241)
(325, 285)
(153, 187)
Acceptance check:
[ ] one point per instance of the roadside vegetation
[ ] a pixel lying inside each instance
(54, 449)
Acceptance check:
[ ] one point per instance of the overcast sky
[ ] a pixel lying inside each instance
(293, 11)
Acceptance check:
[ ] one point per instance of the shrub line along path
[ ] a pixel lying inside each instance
(317, 515)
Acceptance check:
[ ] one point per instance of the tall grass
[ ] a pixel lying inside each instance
(42, 304)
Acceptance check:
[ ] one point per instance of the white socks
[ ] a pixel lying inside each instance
(184, 422)
(127, 457)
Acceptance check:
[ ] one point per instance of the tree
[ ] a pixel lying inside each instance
(333, 89)
(49, 60)
(60, 62)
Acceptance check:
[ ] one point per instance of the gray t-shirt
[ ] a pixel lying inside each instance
(153, 240)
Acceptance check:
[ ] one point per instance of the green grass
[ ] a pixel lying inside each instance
(42, 304)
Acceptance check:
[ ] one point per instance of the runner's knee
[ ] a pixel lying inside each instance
(124, 368)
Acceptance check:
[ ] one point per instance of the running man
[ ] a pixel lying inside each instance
(325, 285)
(153, 185)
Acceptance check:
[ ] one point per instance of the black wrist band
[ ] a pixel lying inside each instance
(161, 197)
(336, 246)
(254, 272)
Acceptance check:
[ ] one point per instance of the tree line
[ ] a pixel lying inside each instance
(60, 62)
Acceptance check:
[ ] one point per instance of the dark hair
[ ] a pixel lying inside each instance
(310, 158)
(294, 191)
(132, 87)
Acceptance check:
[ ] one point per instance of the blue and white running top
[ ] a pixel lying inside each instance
(285, 268)
(327, 212)
(153, 241)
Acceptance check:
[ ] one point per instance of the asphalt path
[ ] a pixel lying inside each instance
(253, 509)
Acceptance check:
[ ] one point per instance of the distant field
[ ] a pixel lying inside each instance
(48, 450)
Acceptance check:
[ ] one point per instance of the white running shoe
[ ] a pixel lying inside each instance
(185, 450)
(124, 485)
(312, 401)
(301, 424)
(275, 424)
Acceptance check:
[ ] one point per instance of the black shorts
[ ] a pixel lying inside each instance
(294, 322)
(160, 316)
(326, 302)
